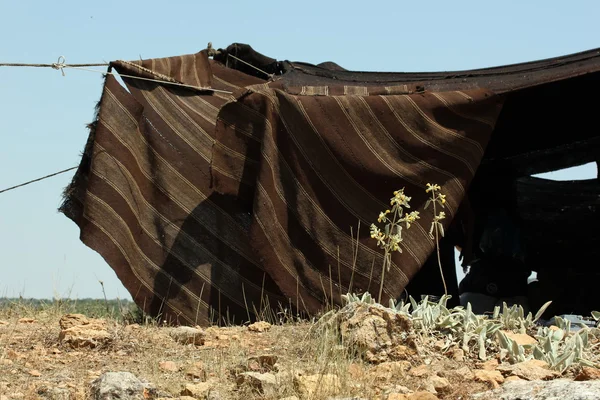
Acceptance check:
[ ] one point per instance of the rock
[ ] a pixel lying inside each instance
(521, 338)
(422, 396)
(512, 378)
(260, 326)
(196, 372)
(529, 370)
(197, 390)
(396, 389)
(263, 383)
(89, 335)
(346, 398)
(213, 395)
(188, 335)
(588, 374)
(12, 355)
(437, 384)
(458, 354)
(420, 371)
(309, 385)
(34, 373)
(290, 398)
(70, 320)
(121, 386)
(168, 366)
(562, 389)
(378, 333)
(265, 362)
(389, 369)
(26, 321)
(412, 396)
(462, 373)
(54, 393)
(3, 322)
(494, 378)
(490, 365)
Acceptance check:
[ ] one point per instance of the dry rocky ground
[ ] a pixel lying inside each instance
(371, 354)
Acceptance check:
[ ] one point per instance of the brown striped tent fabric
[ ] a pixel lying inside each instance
(215, 205)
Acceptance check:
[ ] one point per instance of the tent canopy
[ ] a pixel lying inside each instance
(242, 191)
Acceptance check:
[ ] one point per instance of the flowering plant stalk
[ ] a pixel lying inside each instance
(437, 198)
(390, 238)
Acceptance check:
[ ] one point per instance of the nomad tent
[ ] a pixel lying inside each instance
(225, 184)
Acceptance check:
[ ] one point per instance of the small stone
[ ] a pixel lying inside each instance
(70, 320)
(397, 396)
(197, 390)
(463, 373)
(265, 362)
(521, 338)
(54, 393)
(3, 323)
(122, 353)
(6, 361)
(458, 355)
(490, 365)
(12, 355)
(188, 335)
(264, 383)
(420, 371)
(494, 377)
(529, 370)
(89, 335)
(290, 398)
(439, 345)
(512, 378)
(169, 366)
(260, 326)
(422, 396)
(26, 321)
(588, 374)
(119, 385)
(309, 385)
(35, 373)
(438, 383)
(132, 327)
(196, 372)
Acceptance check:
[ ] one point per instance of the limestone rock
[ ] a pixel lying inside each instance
(529, 370)
(494, 378)
(377, 332)
(521, 338)
(70, 320)
(197, 390)
(168, 366)
(266, 383)
(437, 384)
(120, 386)
(90, 334)
(562, 389)
(196, 372)
(54, 393)
(188, 335)
(588, 374)
(309, 385)
(260, 326)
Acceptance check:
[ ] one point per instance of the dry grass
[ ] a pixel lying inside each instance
(33, 359)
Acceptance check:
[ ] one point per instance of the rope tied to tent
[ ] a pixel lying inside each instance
(61, 64)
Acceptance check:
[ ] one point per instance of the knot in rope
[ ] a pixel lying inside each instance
(60, 64)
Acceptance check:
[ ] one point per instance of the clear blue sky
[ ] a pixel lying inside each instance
(43, 114)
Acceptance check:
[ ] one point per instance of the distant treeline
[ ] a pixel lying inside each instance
(95, 308)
